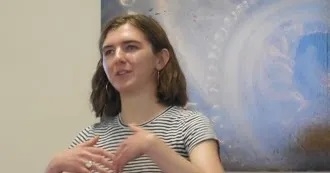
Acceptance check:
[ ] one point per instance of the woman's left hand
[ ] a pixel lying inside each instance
(133, 147)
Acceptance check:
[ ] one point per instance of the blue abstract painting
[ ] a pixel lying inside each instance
(259, 69)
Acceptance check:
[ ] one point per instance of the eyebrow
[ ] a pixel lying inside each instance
(124, 42)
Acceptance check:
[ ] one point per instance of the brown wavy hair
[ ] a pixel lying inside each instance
(171, 88)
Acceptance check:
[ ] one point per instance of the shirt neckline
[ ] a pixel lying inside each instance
(120, 121)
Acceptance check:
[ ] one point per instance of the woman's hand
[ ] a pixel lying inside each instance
(133, 147)
(82, 159)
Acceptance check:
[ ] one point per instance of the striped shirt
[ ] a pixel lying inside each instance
(179, 128)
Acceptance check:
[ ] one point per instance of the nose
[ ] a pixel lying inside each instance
(120, 55)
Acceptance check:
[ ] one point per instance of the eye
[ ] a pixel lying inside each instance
(130, 48)
(108, 52)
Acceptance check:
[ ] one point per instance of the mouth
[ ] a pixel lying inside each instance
(122, 72)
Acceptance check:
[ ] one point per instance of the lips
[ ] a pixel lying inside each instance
(122, 72)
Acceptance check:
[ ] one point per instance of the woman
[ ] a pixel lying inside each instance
(139, 92)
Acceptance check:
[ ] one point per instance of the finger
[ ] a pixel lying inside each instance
(119, 161)
(90, 142)
(99, 157)
(120, 149)
(83, 170)
(100, 151)
(103, 161)
(99, 168)
(134, 127)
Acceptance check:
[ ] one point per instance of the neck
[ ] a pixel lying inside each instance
(140, 107)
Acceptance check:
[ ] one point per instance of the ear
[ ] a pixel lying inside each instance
(162, 59)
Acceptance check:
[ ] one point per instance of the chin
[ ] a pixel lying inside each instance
(124, 88)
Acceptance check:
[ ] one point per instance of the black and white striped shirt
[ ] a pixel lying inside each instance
(179, 128)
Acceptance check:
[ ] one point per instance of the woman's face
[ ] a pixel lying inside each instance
(128, 59)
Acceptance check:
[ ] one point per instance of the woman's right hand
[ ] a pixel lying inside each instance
(76, 159)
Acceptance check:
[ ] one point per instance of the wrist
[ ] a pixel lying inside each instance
(53, 166)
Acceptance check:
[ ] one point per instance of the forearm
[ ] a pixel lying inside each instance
(168, 160)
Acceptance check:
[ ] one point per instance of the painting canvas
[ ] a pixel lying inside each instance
(259, 69)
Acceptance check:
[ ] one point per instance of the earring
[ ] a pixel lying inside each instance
(158, 76)
(106, 88)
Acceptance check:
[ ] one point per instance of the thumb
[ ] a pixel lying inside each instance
(90, 142)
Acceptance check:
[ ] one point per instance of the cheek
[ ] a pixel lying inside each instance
(144, 69)
(146, 63)
(106, 67)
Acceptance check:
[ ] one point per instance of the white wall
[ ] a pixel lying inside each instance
(48, 51)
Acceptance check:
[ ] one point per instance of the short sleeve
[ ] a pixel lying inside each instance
(197, 128)
(82, 136)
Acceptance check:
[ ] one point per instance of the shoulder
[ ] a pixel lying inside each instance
(196, 127)
(92, 130)
(189, 115)
(102, 125)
